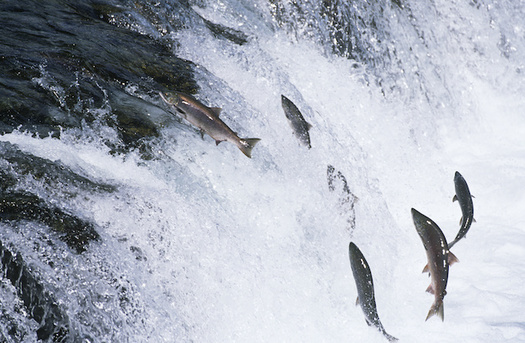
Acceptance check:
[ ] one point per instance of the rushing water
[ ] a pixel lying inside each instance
(120, 223)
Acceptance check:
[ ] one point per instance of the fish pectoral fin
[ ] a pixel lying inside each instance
(426, 269)
(474, 220)
(308, 126)
(202, 133)
(430, 289)
(356, 301)
(452, 258)
(454, 198)
(216, 110)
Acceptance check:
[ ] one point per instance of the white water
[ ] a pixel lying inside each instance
(256, 250)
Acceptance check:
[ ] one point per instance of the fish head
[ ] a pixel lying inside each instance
(173, 99)
(457, 177)
(422, 224)
(355, 254)
(357, 259)
(419, 219)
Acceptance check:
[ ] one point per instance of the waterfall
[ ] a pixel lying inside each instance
(121, 222)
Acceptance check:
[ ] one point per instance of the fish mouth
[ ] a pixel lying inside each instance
(417, 217)
(170, 99)
(353, 250)
(420, 221)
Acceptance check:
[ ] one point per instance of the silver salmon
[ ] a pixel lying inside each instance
(207, 120)
(365, 289)
(439, 258)
(464, 198)
(299, 126)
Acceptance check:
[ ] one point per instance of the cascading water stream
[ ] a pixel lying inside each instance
(120, 223)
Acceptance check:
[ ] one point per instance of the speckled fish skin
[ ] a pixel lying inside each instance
(439, 258)
(464, 198)
(207, 119)
(299, 125)
(365, 289)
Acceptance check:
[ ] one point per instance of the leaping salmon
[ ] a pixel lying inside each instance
(207, 119)
(439, 258)
(464, 198)
(365, 289)
(296, 120)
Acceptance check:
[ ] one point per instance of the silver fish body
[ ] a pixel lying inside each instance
(365, 289)
(439, 258)
(464, 198)
(299, 125)
(207, 119)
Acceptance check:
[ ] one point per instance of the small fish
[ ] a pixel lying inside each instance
(465, 203)
(295, 118)
(439, 258)
(365, 289)
(337, 183)
(207, 120)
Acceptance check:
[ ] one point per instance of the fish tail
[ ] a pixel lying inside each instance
(390, 338)
(437, 308)
(246, 145)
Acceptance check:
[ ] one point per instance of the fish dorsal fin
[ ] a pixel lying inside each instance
(452, 258)
(454, 198)
(309, 126)
(216, 110)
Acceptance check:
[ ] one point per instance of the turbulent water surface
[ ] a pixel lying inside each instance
(120, 222)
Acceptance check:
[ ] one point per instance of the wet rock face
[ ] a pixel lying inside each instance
(76, 232)
(20, 204)
(63, 64)
(76, 66)
(68, 65)
(40, 305)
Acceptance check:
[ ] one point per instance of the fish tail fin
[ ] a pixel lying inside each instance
(437, 308)
(389, 337)
(246, 145)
